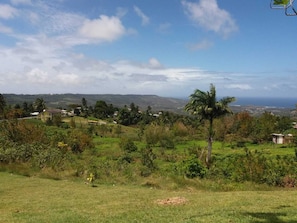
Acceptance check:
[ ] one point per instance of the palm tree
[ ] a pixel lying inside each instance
(39, 104)
(206, 107)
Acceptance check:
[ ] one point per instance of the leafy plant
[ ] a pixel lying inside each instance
(281, 2)
(192, 168)
(127, 145)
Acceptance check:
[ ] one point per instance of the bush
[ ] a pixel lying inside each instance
(180, 129)
(22, 131)
(148, 157)
(127, 145)
(255, 167)
(192, 168)
(155, 134)
(78, 140)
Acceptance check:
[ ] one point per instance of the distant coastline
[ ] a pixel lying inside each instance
(266, 102)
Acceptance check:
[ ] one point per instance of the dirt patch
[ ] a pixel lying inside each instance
(172, 201)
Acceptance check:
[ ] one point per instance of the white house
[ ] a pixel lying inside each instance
(278, 138)
(281, 138)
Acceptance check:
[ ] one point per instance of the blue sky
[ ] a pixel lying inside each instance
(167, 47)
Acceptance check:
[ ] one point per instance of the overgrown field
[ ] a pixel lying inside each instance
(89, 170)
(153, 154)
(31, 199)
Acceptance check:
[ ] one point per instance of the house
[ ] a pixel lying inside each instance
(281, 138)
(34, 113)
(278, 138)
(50, 114)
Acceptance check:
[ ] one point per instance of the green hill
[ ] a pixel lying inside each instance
(157, 103)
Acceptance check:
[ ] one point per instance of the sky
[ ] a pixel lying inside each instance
(167, 48)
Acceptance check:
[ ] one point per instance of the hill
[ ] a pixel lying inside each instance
(157, 103)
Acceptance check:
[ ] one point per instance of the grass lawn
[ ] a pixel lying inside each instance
(32, 199)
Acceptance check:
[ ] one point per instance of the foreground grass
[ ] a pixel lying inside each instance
(30, 199)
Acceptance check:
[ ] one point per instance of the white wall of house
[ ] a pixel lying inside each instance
(278, 138)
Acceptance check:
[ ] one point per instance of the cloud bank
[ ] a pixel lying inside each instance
(208, 15)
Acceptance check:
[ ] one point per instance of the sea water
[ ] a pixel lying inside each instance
(267, 102)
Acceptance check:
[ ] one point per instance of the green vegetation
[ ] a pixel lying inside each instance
(31, 199)
(206, 106)
(281, 2)
(113, 164)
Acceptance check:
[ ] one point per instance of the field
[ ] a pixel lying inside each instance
(32, 199)
(136, 181)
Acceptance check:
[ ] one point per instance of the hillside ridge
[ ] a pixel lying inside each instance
(157, 103)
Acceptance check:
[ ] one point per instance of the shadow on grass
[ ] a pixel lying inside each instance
(267, 217)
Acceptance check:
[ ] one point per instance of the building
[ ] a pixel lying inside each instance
(49, 114)
(281, 138)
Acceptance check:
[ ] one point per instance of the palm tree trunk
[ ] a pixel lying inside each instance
(209, 150)
(209, 146)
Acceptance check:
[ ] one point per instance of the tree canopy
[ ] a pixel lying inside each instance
(206, 107)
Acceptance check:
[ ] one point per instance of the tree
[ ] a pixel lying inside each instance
(206, 106)
(84, 107)
(102, 110)
(25, 108)
(264, 126)
(39, 104)
(2, 105)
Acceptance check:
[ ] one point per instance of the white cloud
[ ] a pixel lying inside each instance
(207, 14)
(48, 61)
(38, 76)
(70, 79)
(5, 29)
(104, 29)
(62, 22)
(44, 69)
(7, 12)
(34, 18)
(19, 2)
(50, 20)
(239, 86)
(154, 63)
(145, 20)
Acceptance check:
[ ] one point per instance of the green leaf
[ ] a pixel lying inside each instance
(281, 2)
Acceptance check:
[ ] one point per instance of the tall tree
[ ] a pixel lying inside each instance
(84, 107)
(206, 107)
(39, 104)
(102, 110)
(2, 105)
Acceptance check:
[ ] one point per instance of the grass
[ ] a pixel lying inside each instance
(32, 199)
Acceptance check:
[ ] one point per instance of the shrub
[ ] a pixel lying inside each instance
(22, 131)
(156, 134)
(148, 157)
(127, 145)
(78, 140)
(180, 129)
(192, 168)
(255, 167)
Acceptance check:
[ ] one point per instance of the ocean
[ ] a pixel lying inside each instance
(267, 102)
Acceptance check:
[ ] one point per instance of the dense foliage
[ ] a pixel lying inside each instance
(126, 144)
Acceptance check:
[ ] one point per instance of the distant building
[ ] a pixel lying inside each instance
(278, 138)
(281, 138)
(34, 113)
(49, 114)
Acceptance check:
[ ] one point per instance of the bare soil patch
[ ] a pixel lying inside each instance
(172, 201)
